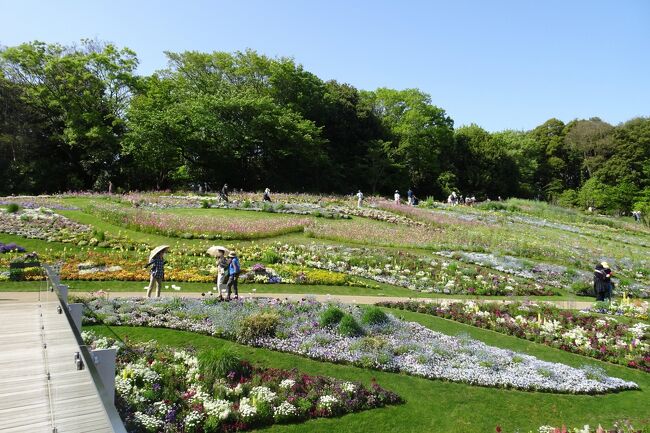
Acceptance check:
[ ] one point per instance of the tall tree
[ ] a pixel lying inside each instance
(421, 133)
(82, 93)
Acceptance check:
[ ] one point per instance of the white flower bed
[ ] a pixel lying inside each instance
(395, 345)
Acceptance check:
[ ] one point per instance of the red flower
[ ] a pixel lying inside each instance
(499, 429)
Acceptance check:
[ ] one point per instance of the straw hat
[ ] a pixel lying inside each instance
(605, 265)
(159, 249)
(232, 254)
(214, 250)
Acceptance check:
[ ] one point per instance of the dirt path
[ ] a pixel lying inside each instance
(348, 299)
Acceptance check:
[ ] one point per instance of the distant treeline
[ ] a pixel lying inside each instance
(78, 118)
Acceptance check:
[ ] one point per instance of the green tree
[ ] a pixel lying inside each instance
(421, 134)
(81, 93)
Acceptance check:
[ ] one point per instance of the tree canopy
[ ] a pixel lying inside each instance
(79, 117)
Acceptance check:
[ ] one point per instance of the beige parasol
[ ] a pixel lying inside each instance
(214, 250)
(157, 251)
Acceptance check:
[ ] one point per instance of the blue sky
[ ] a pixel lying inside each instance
(500, 64)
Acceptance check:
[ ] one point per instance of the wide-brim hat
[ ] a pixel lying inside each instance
(214, 250)
(232, 254)
(159, 249)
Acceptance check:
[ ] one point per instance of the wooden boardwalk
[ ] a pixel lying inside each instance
(35, 340)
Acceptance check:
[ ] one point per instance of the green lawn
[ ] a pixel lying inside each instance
(438, 406)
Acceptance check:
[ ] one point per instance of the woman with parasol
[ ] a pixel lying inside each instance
(219, 253)
(157, 263)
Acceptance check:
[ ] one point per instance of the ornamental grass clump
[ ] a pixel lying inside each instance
(216, 364)
(349, 327)
(13, 208)
(331, 316)
(373, 316)
(258, 326)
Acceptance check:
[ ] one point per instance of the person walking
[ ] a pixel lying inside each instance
(359, 199)
(397, 197)
(234, 270)
(224, 192)
(600, 283)
(157, 263)
(221, 280)
(409, 196)
(267, 195)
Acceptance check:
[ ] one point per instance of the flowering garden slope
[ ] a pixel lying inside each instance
(368, 338)
(436, 406)
(180, 392)
(587, 334)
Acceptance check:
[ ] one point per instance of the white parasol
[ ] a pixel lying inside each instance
(214, 250)
(157, 251)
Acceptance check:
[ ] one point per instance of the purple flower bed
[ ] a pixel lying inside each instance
(12, 246)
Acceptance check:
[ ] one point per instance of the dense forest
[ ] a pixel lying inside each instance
(80, 118)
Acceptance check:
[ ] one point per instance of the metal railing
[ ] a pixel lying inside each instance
(54, 285)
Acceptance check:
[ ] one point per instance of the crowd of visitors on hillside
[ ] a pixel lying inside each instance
(229, 268)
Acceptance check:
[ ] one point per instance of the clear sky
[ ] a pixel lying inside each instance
(501, 64)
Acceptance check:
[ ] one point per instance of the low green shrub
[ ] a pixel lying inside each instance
(331, 316)
(270, 256)
(13, 207)
(499, 206)
(581, 288)
(349, 327)
(257, 326)
(100, 235)
(268, 207)
(215, 364)
(373, 316)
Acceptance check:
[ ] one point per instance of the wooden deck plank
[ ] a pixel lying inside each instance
(25, 404)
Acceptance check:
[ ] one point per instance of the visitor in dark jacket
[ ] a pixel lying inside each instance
(609, 285)
(224, 192)
(600, 282)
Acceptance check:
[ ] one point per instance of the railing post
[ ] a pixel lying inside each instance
(104, 360)
(63, 293)
(76, 311)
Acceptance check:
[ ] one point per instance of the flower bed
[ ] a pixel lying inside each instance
(407, 270)
(364, 337)
(12, 246)
(201, 227)
(288, 274)
(623, 426)
(626, 308)
(35, 202)
(160, 390)
(43, 224)
(587, 334)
